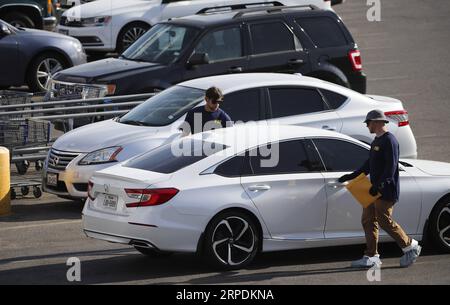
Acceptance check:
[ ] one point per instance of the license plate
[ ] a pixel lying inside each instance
(52, 179)
(110, 202)
(64, 32)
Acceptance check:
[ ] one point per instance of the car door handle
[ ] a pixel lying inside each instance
(235, 70)
(336, 184)
(259, 187)
(331, 128)
(296, 61)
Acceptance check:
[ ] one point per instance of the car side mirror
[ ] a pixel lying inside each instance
(4, 30)
(198, 59)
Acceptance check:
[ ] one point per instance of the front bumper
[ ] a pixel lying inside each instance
(92, 38)
(72, 181)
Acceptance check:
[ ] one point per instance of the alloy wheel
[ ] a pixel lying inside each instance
(46, 69)
(131, 36)
(443, 225)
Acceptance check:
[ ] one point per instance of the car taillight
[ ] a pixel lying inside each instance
(355, 60)
(400, 116)
(150, 197)
(89, 190)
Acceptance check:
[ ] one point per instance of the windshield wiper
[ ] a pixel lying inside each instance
(131, 122)
(132, 59)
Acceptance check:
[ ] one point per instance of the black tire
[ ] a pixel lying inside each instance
(19, 20)
(153, 253)
(37, 193)
(13, 194)
(439, 220)
(57, 63)
(244, 233)
(22, 167)
(129, 34)
(25, 190)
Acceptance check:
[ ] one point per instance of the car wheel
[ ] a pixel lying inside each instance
(231, 240)
(440, 225)
(19, 20)
(42, 69)
(129, 34)
(153, 253)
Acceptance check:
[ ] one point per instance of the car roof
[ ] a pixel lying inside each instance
(226, 17)
(235, 82)
(244, 136)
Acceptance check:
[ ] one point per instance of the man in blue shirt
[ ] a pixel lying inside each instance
(208, 117)
(383, 168)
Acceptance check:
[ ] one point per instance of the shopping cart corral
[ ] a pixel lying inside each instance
(27, 128)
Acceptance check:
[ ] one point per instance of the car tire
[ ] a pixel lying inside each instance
(153, 253)
(38, 73)
(439, 225)
(129, 34)
(231, 240)
(19, 20)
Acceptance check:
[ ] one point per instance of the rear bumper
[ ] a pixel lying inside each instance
(358, 82)
(407, 142)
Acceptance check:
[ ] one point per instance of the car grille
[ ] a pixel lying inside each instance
(60, 159)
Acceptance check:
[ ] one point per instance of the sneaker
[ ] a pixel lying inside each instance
(410, 256)
(367, 262)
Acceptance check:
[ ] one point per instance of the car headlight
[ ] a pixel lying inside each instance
(96, 21)
(77, 45)
(105, 155)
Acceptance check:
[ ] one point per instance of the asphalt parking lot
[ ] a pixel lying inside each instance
(405, 56)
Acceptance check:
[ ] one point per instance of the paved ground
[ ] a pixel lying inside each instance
(405, 56)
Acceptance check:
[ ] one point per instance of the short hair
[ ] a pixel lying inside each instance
(214, 94)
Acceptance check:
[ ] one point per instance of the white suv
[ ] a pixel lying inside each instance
(285, 99)
(113, 25)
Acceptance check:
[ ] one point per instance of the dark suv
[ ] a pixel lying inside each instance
(38, 14)
(300, 39)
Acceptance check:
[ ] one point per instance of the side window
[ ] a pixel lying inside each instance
(232, 167)
(221, 45)
(323, 31)
(242, 106)
(295, 101)
(288, 158)
(273, 37)
(341, 156)
(335, 100)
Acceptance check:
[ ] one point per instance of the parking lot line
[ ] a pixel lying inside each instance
(42, 225)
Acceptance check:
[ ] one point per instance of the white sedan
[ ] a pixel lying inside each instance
(234, 192)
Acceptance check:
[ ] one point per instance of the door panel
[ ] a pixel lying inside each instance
(9, 74)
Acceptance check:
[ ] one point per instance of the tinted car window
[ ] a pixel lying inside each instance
(221, 45)
(166, 160)
(295, 101)
(341, 156)
(272, 37)
(231, 167)
(242, 106)
(162, 44)
(289, 157)
(323, 31)
(335, 100)
(165, 107)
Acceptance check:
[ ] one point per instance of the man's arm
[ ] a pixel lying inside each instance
(391, 153)
(363, 169)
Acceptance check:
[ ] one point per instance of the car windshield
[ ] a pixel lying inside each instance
(164, 108)
(162, 44)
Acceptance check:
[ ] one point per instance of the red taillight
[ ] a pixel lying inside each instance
(355, 60)
(150, 197)
(400, 116)
(89, 190)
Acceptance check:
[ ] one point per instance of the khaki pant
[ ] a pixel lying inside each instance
(380, 213)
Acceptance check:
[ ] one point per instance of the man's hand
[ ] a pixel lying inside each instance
(345, 178)
(373, 191)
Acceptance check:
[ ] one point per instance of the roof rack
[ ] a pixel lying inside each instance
(273, 9)
(242, 6)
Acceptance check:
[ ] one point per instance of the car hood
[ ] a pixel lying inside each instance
(109, 8)
(104, 134)
(105, 68)
(433, 168)
(43, 34)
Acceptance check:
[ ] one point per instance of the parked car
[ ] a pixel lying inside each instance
(228, 205)
(309, 41)
(113, 25)
(283, 98)
(31, 57)
(38, 14)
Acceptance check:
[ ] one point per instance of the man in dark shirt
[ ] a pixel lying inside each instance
(383, 168)
(208, 117)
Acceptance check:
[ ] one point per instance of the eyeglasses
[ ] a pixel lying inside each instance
(217, 102)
